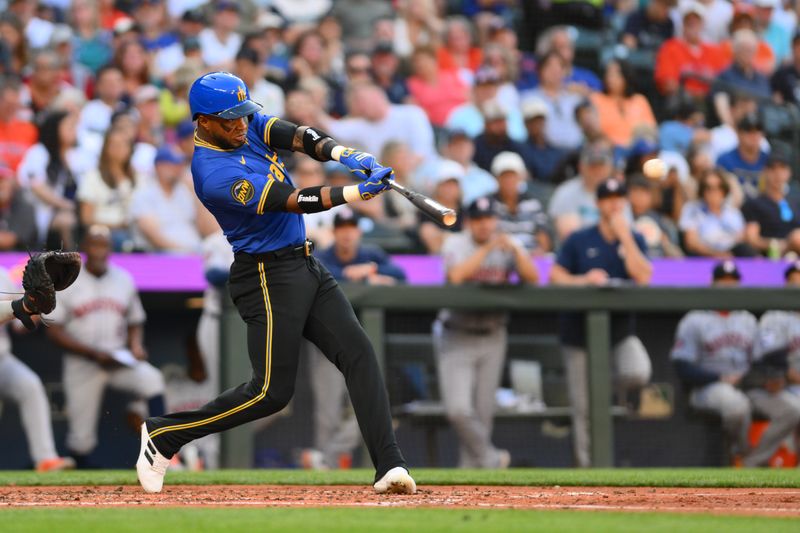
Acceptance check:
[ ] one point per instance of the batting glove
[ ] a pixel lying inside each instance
(375, 184)
(362, 164)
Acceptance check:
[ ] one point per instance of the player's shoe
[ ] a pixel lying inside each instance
(151, 467)
(396, 481)
(56, 464)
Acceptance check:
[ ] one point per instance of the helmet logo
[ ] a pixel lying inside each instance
(241, 94)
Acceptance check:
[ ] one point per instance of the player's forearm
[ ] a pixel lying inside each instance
(527, 271)
(461, 272)
(636, 263)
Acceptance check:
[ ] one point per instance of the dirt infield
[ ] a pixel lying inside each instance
(773, 502)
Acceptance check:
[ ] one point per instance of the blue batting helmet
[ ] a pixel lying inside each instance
(221, 94)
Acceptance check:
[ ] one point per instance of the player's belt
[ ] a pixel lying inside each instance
(303, 250)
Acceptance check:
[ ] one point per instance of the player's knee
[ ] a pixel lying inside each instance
(278, 397)
(458, 414)
(735, 410)
(28, 386)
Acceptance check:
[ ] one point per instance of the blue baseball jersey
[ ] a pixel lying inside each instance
(235, 185)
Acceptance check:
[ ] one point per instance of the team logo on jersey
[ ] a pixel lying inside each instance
(241, 94)
(242, 161)
(243, 191)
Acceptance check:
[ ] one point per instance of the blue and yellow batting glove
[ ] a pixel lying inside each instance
(362, 164)
(374, 185)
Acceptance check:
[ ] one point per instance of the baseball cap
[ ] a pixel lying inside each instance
(779, 155)
(248, 54)
(492, 110)
(794, 266)
(695, 8)
(456, 133)
(507, 162)
(345, 217)
(533, 108)
(166, 154)
(146, 93)
(610, 188)
(184, 129)
(194, 15)
(726, 269)
(61, 34)
(383, 47)
(269, 21)
(749, 122)
(484, 206)
(448, 170)
(772, 4)
(486, 75)
(124, 25)
(594, 155)
(223, 5)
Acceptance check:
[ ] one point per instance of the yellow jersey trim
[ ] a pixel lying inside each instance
(267, 128)
(263, 199)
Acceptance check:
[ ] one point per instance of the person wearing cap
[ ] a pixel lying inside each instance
(153, 21)
(17, 216)
(561, 40)
(521, 215)
(562, 128)
(469, 116)
(470, 347)
(385, 67)
(543, 159)
(748, 159)
(593, 257)
(37, 30)
(163, 211)
(573, 204)
(251, 69)
(724, 137)
(713, 356)
(773, 220)
(772, 32)
(786, 79)
(710, 225)
(649, 26)
(459, 147)
(495, 138)
(445, 189)
(659, 232)
(688, 54)
(781, 330)
(220, 42)
(437, 91)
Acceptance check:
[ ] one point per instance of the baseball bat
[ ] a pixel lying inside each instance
(430, 207)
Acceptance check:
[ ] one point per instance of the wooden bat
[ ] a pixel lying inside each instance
(432, 208)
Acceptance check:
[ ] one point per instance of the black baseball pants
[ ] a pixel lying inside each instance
(282, 300)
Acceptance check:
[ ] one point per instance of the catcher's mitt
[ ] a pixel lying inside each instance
(45, 274)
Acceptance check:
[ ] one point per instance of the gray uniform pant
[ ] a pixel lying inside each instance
(632, 370)
(736, 407)
(336, 431)
(470, 367)
(21, 385)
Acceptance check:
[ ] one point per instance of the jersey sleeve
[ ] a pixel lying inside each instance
(687, 340)
(273, 131)
(249, 193)
(135, 314)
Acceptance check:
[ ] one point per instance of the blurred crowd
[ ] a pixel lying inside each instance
(463, 99)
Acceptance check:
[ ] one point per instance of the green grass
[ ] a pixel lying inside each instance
(622, 477)
(374, 520)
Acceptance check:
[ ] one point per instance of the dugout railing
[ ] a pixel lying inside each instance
(373, 303)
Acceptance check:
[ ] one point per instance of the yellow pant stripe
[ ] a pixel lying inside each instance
(267, 374)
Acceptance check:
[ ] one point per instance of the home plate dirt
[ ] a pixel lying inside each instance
(778, 502)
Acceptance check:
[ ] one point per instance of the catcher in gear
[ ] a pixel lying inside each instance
(44, 274)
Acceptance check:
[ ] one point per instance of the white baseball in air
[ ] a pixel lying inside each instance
(655, 169)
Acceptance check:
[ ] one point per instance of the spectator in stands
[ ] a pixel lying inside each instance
(685, 128)
(689, 55)
(773, 220)
(418, 24)
(470, 347)
(743, 19)
(311, 60)
(504, 63)
(386, 73)
(620, 108)
(459, 147)
(105, 192)
(95, 116)
(458, 52)
(437, 91)
(37, 30)
(648, 27)
(163, 212)
(559, 40)
(151, 17)
(724, 137)
(712, 356)
(17, 217)
(658, 231)
(741, 76)
(542, 158)
(220, 42)
(151, 121)
(373, 121)
(17, 134)
(349, 260)
(92, 43)
(44, 85)
(400, 214)
(573, 205)
(495, 138)
(773, 33)
(785, 82)
(12, 34)
(446, 191)
(592, 257)
(249, 67)
(712, 227)
(131, 59)
(73, 73)
(521, 215)
(562, 129)
(748, 159)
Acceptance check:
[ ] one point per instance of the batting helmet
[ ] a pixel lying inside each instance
(221, 94)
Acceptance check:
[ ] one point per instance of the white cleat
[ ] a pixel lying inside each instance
(396, 481)
(151, 467)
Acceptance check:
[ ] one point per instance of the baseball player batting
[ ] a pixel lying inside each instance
(280, 290)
